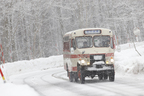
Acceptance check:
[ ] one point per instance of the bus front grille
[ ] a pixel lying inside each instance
(96, 58)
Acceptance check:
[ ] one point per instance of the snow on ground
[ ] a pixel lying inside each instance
(21, 67)
(127, 62)
(34, 65)
(10, 89)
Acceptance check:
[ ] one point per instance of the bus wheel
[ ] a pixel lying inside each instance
(82, 77)
(80, 74)
(105, 76)
(100, 76)
(70, 77)
(76, 77)
(67, 70)
(111, 77)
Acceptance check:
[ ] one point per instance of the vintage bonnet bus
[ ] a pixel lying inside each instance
(89, 52)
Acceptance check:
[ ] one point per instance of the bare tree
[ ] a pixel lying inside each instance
(34, 28)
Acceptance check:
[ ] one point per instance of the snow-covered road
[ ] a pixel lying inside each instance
(47, 77)
(53, 82)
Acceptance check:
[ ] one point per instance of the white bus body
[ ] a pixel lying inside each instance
(89, 52)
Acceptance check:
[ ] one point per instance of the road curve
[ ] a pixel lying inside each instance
(53, 82)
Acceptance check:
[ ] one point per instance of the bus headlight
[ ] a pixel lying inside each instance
(107, 62)
(88, 63)
(85, 62)
(112, 60)
(82, 61)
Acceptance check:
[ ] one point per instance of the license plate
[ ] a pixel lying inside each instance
(98, 57)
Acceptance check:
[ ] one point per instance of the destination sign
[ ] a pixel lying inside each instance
(92, 31)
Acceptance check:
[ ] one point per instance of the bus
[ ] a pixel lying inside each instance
(89, 52)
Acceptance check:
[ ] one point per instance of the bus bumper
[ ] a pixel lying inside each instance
(100, 67)
(99, 70)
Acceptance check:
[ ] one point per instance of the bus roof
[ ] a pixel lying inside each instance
(80, 31)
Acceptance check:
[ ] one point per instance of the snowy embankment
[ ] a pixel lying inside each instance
(34, 65)
(21, 67)
(127, 61)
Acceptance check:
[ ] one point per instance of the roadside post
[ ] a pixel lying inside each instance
(3, 61)
(2, 76)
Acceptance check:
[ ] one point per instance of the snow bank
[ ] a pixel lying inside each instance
(128, 60)
(33, 65)
(10, 89)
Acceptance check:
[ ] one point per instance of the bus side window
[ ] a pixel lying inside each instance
(73, 44)
(66, 46)
(112, 46)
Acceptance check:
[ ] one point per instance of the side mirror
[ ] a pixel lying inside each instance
(72, 50)
(83, 52)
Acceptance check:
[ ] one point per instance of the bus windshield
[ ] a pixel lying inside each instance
(87, 41)
(84, 42)
(101, 41)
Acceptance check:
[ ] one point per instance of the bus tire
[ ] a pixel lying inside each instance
(70, 76)
(67, 70)
(100, 76)
(105, 76)
(76, 77)
(111, 77)
(80, 74)
(82, 77)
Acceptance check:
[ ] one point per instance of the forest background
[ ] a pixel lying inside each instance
(32, 29)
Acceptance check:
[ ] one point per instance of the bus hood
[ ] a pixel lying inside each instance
(94, 51)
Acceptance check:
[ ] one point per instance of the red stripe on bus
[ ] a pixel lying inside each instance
(74, 68)
(66, 50)
(109, 54)
(85, 55)
(75, 56)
